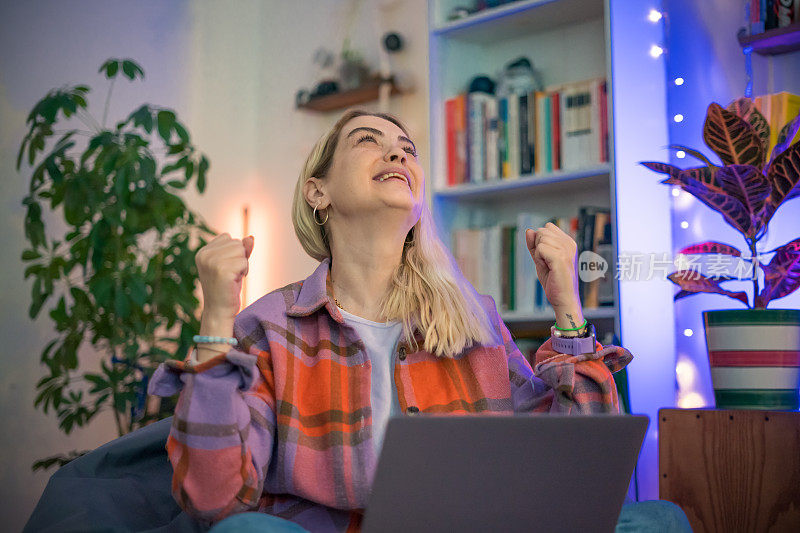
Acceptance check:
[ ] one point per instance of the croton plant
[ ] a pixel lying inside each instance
(747, 189)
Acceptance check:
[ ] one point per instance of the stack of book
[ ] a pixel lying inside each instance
(779, 109)
(497, 262)
(770, 14)
(492, 138)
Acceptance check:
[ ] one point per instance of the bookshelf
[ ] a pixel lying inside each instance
(570, 39)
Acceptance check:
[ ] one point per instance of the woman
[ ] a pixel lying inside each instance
(289, 421)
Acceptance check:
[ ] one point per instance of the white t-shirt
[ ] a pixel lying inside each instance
(381, 341)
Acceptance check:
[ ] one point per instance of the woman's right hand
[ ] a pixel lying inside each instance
(221, 266)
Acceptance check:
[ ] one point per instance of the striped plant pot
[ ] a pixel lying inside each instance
(755, 358)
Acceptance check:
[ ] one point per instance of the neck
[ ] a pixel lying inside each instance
(361, 273)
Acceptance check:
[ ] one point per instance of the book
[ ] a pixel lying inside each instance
(450, 139)
(492, 140)
(502, 110)
(513, 137)
(555, 130)
(455, 139)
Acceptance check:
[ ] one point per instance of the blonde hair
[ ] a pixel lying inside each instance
(428, 288)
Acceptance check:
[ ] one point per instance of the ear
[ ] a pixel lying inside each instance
(314, 194)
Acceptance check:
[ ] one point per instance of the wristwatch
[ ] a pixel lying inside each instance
(584, 343)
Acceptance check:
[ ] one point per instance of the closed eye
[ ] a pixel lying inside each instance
(408, 149)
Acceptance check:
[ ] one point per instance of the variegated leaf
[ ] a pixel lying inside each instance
(692, 282)
(732, 138)
(704, 175)
(747, 184)
(784, 176)
(729, 207)
(694, 153)
(746, 109)
(785, 138)
(662, 168)
(781, 275)
(711, 247)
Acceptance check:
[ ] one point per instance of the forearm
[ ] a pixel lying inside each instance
(215, 326)
(569, 316)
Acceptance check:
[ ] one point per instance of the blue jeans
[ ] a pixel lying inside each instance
(655, 515)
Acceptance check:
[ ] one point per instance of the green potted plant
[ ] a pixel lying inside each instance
(121, 276)
(754, 353)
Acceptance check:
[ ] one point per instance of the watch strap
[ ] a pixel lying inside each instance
(574, 345)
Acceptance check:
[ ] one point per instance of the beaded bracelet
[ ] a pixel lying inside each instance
(572, 329)
(203, 339)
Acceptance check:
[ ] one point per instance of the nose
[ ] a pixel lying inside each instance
(396, 154)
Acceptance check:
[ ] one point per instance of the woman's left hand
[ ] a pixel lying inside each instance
(554, 254)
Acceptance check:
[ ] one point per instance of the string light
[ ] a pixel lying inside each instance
(678, 118)
(676, 191)
(678, 81)
(654, 16)
(688, 332)
(656, 51)
(691, 400)
(680, 154)
(684, 224)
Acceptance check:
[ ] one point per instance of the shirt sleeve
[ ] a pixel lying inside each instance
(220, 442)
(560, 383)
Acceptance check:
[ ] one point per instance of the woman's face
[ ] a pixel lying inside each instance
(375, 171)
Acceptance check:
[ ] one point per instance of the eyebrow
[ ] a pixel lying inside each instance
(379, 132)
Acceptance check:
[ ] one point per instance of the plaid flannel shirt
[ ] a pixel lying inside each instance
(282, 422)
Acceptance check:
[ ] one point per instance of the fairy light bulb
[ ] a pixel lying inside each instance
(678, 118)
(679, 81)
(656, 51)
(680, 154)
(684, 224)
(654, 16)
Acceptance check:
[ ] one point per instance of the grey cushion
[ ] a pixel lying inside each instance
(123, 485)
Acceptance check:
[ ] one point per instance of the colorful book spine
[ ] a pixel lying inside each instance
(513, 137)
(492, 140)
(524, 155)
(450, 140)
(503, 141)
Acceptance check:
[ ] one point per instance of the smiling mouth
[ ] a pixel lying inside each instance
(392, 176)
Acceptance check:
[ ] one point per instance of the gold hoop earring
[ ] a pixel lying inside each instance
(315, 216)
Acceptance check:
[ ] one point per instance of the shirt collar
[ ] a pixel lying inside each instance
(316, 292)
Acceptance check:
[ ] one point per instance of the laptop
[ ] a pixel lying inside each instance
(522, 472)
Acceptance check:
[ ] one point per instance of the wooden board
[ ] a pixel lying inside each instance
(731, 470)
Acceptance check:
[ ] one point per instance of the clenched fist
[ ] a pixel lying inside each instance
(221, 266)
(553, 253)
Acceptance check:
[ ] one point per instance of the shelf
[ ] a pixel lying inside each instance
(775, 41)
(341, 100)
(552, 182)
(519, 18)
(549, 316)
(538, 325)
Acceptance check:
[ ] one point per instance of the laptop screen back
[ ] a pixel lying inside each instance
(504, 473)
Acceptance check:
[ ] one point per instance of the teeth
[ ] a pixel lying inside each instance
(391, 175)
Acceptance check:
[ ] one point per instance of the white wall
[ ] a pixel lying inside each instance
(230, 70)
